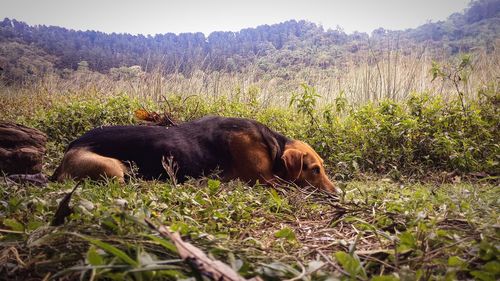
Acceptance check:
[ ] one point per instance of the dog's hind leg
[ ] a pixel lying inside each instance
(80, 164)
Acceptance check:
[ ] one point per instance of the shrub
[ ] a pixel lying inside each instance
(421, 135)
(65, 122)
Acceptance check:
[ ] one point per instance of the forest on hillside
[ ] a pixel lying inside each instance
(28, 52)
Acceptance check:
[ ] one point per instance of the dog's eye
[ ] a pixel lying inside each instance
(316, 170)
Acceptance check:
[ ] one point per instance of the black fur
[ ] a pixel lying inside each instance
(198, 147)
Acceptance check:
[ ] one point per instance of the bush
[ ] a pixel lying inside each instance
(418, 136)
(65, 122)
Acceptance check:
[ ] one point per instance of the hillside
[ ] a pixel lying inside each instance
(26, 52)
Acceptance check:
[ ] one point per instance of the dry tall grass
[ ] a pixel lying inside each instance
(373, 77)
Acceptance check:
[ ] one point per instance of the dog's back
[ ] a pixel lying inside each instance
(197, 147)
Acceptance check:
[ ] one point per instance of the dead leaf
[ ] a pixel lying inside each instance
(154, 118)
(143, 114)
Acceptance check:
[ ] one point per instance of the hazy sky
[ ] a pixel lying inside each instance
(156, 16)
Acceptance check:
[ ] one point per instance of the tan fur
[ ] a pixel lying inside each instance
(80, 163)
(309, 159)
(251, 159)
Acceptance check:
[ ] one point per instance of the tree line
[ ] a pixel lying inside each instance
(28, 50)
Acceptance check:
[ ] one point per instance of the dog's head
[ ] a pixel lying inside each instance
(305, 167)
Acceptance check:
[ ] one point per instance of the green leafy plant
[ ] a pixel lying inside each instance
(305, 102)
(458, 74)
(351, 264)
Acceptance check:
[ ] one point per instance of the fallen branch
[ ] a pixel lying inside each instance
(214, 269)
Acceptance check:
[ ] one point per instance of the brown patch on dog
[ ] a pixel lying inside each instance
(305, 166)
(80, 163)
(293, 159)
(251, 158)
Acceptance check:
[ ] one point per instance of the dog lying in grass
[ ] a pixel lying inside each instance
(239, 148)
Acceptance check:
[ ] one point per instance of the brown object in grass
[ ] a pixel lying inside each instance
(21, 149)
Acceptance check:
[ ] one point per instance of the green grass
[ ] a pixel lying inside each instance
(415, 231)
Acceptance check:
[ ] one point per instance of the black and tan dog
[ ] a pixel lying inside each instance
(239, 148)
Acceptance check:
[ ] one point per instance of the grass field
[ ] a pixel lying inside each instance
(375, 228)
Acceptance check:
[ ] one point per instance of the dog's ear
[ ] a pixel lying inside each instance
(293, 159)
(271, 142)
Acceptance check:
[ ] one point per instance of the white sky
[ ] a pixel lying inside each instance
(157, 16)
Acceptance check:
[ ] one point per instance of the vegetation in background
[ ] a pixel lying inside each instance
(291, 45)
(290, 51)
(276, 59)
